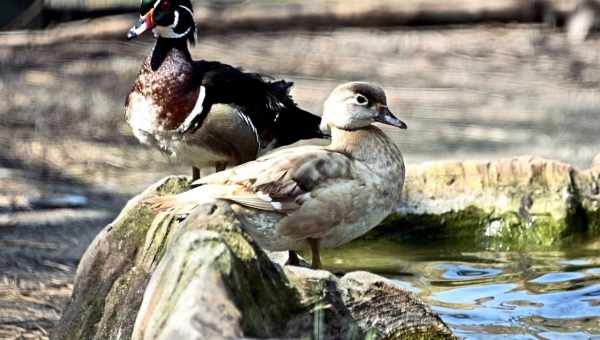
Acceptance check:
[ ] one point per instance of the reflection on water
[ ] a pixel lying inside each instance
(550, 294)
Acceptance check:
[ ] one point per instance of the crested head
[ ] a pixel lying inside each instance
(357, 105)
(171, 19)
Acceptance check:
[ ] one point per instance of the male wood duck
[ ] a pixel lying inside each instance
(205, 113)
(317, 196)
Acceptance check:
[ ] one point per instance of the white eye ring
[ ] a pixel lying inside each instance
(359, 99)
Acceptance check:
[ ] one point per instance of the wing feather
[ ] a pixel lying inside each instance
(284, 180)
(251, 201)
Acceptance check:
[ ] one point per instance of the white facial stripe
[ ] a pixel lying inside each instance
(187, 9)
(155, 3)
(197, 109)
(192, 14)
(168, 32)
(176, 20)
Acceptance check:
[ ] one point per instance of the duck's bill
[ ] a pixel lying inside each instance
(387, 117)
(145, 23)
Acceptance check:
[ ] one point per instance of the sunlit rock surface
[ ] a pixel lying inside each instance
(148, 277)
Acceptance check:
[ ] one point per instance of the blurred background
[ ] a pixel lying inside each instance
(473, 80)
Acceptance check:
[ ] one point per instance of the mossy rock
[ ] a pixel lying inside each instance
(114, 269)
(150, 276)
(519, 203)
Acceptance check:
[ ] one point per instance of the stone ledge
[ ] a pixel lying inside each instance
(523, 201)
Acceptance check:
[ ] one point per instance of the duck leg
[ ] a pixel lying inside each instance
(195, 173)
(293, 259)
(314, 249)
(220, 166)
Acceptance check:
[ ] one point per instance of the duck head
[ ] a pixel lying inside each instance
(356, 105)
(167, 19)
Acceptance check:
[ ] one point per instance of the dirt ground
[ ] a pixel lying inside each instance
(479, 92)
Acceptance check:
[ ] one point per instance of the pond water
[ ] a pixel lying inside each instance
(485, 294)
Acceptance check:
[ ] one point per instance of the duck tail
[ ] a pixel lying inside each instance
(293, 123)
(282, 87)
(181, 204)
(278, 95)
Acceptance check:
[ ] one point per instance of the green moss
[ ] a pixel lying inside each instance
(174, 185)
(539, 232)
(258, 283)
(234, 236)
(548, 222)
(156, 240)
(242, 248)
(114, 316)
(425, 334)
(591, 208)
(453, 224)
(113, 267)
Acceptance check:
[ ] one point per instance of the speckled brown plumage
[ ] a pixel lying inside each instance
(171, 86)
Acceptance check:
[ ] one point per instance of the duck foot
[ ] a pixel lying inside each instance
(220, 166)
(195, 173)
(293, 259)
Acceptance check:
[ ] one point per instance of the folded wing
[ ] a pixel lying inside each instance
(283, 181)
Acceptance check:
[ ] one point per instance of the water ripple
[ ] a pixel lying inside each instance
(551, 294)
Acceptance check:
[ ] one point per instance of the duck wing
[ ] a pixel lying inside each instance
(267, 104)
(283, 181)
(224, 84)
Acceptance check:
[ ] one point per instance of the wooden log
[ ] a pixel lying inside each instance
(21, 14)
(268, 16)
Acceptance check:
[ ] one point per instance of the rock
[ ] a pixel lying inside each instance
(519, 202)
(150, 277)
(114, 271)
(588, 185)
(358, 304)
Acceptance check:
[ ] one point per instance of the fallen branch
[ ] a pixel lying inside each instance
(310, 15)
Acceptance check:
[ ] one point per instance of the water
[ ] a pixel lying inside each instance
(486, 294)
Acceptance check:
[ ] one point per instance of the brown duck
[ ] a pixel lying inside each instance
(314, 196)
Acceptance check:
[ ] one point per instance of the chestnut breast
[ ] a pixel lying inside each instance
(171, 88)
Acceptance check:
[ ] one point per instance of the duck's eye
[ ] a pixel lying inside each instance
(165, 5)
(361, 100)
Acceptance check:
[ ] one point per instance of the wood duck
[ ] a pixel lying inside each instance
(205, 113)
(317, 196)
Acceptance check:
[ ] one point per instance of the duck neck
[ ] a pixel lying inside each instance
(370, 146)
(164, 46)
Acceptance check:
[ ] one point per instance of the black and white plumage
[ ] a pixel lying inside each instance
(206, 113)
